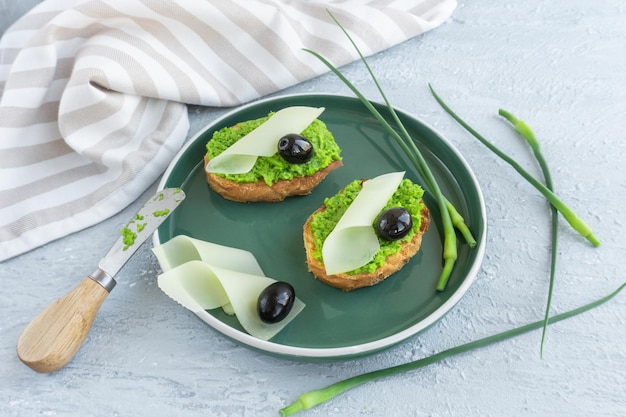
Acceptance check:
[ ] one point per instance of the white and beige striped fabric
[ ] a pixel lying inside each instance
(94, 92)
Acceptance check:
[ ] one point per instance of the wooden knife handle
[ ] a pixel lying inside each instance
(54, 336)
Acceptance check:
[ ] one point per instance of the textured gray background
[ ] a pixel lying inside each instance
(560, 65)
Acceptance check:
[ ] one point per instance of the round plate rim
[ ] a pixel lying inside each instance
(358, 349)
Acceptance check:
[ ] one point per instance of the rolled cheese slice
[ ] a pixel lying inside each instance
(262, 141)
(202, 275)
(353, 242)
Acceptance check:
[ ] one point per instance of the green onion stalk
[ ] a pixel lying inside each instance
(449, 215)
(527, 133)
(576, 222)
(316, 397)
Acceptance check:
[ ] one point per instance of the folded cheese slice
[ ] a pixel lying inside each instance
(202, 275)
(353, 242)
(262, 141)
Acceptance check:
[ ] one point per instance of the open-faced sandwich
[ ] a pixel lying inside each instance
(366, 232)
(284, 154)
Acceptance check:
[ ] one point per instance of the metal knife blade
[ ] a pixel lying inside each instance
(134, 234)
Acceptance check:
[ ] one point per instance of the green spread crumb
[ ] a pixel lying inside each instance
(178, 190)
(274, 168)
(128, 237)
(160, 213)
(408, 195)
(141, 226)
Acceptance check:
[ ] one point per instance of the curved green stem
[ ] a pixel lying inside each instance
(576, 222)
(316, 397)
(527, 133)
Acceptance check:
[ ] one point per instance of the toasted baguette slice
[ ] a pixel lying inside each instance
(254, 188)
(260, 191)
(347, 282)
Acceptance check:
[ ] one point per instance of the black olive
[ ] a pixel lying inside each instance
(295, 149)
(275, 302)
(394, 223)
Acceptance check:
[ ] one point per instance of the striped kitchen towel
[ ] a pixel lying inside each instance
(94, 92)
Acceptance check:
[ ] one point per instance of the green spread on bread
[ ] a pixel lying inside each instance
(408, 195)
(274, 168)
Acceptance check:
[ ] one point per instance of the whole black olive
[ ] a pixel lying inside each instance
(295, 149)
(394, 223)
(275, 302)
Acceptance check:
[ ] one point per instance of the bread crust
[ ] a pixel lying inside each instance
(260, 191)
(347, 282)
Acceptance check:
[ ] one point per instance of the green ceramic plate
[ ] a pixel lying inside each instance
(334, 324)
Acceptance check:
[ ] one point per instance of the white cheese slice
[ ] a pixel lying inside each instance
(194, 286)
(181, 249)
(262, 141)
(202, 276)
(353, 242)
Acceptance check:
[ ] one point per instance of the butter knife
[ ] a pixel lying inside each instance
(54, 336)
